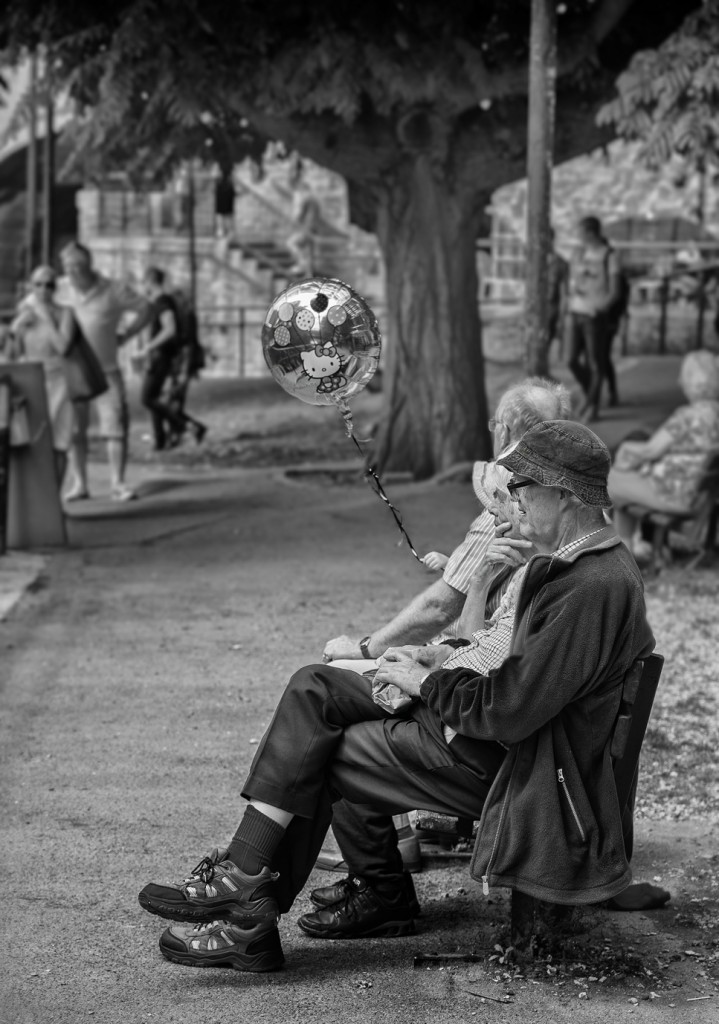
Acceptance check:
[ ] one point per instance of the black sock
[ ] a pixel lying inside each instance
(255, 842)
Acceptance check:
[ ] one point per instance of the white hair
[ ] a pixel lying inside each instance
(533, 401)
(699, 376)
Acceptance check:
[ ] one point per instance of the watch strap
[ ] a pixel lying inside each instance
(364, 647)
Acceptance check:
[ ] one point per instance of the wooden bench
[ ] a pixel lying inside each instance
(704, 514)
(638, 691)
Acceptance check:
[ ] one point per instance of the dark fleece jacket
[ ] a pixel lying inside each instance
(551, 824)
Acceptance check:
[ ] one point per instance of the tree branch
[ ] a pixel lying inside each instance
(572, 50)
(606, 18)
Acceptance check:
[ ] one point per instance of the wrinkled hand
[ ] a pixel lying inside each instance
(503, 550)
(342, 647)
(406, 673)
(435, 560)
(433, 656)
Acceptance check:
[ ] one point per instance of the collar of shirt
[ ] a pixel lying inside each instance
(574, 544)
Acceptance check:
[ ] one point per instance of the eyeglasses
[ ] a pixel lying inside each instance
(494, 423)
(44, 284)
(514, 485)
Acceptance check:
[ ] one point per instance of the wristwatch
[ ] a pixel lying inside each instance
(364, 647)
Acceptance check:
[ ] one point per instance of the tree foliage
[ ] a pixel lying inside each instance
(193, 75)
(669, 97)
(420, 104)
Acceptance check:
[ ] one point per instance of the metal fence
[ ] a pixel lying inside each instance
(674, 290)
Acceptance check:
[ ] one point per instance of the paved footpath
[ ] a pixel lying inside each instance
(649, 390)
(136, 679)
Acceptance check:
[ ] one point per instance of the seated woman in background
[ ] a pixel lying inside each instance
(663, 473)
(43, 331)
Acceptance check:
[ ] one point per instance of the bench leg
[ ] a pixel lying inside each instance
(659, 546)
(531, 918)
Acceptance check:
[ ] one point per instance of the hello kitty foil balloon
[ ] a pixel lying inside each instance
(321, 341)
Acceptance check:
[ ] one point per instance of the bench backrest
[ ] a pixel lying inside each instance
(638, 690)
(710, 476)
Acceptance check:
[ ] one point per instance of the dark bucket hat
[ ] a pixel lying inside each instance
(561, 453)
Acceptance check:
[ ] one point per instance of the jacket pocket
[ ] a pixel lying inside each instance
(571, 805)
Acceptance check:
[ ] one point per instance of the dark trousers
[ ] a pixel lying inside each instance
(328, 741)
(611, 333)
(589, 356)
(161, 414)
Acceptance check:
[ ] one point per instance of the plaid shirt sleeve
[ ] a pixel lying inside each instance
(489, 648)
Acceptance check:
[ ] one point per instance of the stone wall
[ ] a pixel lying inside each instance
(611, 184)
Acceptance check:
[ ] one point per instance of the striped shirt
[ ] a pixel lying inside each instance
(464, 562)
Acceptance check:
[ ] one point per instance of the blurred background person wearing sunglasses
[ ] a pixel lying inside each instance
(42, 330)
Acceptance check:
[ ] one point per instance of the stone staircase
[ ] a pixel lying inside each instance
(237, 274)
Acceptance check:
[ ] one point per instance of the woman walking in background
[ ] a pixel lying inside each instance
(189, 360)
(43, 332)
(160, 354)
(163, 351)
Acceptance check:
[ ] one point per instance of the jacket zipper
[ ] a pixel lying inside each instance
(563, 784)
(485, 877)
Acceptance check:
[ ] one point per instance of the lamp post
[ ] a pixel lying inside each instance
(31, 171)
(48, 166)
(192, 232)
(540, 159)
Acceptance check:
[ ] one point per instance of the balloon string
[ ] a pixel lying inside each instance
(374, 481)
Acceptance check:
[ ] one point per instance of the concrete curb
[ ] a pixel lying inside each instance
(18, 572)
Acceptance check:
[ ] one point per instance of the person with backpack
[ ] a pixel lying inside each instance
(594, 288)
(168, 347)
(188, 362)
(615, 315)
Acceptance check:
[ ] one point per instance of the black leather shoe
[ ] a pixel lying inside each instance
(364, 913)
(329, 895)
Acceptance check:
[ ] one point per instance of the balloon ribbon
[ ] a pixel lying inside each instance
(373, 480)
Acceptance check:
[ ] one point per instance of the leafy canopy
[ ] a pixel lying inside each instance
(157, 80)
(669, 97)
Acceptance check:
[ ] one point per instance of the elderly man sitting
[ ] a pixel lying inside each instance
(529, 754)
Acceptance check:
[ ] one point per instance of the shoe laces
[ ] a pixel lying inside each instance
(354, 902)
(205, 871)
(207, 926)
(200, 929)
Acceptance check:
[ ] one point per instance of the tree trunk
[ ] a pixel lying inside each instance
(435, 403)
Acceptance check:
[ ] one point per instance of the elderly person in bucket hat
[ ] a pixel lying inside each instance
(529, 752)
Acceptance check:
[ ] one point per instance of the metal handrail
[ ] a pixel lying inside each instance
(262, 198)
(236, 271)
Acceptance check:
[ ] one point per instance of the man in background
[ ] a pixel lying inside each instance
(594, 287)
(100, 304)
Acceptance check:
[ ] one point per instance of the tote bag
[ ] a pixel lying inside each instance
(85, 377)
